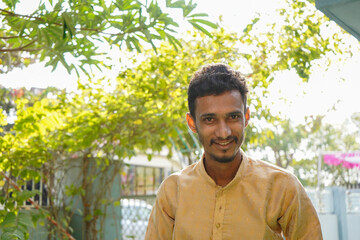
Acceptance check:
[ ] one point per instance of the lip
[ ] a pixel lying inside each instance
(224, 144)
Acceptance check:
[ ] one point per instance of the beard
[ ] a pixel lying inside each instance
(223, 159)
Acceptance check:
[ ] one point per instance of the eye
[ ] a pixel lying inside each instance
(235, 116)
(209, 119)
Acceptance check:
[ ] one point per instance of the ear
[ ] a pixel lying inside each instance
(247, 116)
(191, 122)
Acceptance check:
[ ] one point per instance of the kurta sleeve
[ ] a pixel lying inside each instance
(162, 218)
(299, 219)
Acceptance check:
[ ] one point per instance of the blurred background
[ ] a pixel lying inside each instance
(93, 99)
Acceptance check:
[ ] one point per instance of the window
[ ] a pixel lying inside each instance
(141, 180)
(40, 199)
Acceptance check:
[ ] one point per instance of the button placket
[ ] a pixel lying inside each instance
(219, 215)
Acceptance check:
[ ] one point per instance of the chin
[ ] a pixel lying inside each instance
(223, 159)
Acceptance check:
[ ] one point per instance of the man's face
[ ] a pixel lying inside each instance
(220, 124)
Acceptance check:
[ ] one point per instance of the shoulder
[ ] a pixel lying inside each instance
(172, 181)
(167, 195)
(268, 169)
(271, 174)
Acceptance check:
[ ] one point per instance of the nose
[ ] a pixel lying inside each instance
(223, 130)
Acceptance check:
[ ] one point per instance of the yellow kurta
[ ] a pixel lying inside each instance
(261, 202)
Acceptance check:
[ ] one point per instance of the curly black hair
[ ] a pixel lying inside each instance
(215, 79)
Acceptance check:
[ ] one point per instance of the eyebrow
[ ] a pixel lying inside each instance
(213, 114)
(207, 115)
(236, 112)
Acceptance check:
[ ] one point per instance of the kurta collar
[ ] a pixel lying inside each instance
(239, 175)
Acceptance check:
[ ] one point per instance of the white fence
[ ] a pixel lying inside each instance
(339, 212)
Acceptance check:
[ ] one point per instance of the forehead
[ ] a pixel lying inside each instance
(227, 102)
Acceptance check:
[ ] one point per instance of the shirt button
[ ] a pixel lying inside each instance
(218, 225)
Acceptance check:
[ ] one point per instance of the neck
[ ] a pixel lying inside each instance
(222, 173)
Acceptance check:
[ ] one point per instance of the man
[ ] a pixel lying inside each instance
(227, 194)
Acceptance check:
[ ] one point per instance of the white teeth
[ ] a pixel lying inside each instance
(223, 144)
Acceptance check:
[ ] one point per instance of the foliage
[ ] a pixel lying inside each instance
(51, 132)
(257, 53)
(72, 32)
(90, 132)
(295, 39)
(89, 129)
(15, 226)
(284, 140)
(9, 96)
(355, 118)
(298, 148)
(344, 138)
(161, 79)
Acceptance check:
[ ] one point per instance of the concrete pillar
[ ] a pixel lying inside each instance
(339, 197)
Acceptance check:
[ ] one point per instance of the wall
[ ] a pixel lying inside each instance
(353, 226)
(339, 212)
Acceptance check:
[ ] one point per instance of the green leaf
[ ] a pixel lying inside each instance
(68, 25)
(24, 218)
(13, 235)
(64, 30)
(154, 10)
(9, 220)
(56, 32)
(57, 7)
(11, 3)
(172, 41)
(205, 22)
(147, 34)
(177, 4)
(136, 43)
(198, 15)
(23, 26)
(88, 217)
(249, 27)
(26, 194)
(161, 33)
(64, 63)
(197, 26)
(189, 8)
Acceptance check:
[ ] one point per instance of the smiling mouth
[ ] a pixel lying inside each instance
(223, 143)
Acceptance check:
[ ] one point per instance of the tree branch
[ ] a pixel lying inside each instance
(22, 48)
(18, 15)
(12, 37)
(137, 29)
(37, 206)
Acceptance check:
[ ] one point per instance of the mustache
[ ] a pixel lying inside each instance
(230, 138)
